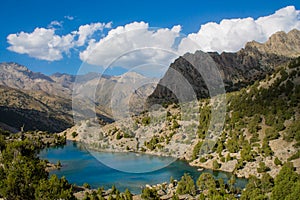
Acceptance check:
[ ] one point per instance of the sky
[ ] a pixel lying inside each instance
(63, 36)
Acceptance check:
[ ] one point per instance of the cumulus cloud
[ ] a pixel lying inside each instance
(133, 44)
(86, 31)
(42, 44)
(232, 34)
(45, 44)
(137, 43)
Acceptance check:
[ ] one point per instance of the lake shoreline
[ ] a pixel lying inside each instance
(75, 165)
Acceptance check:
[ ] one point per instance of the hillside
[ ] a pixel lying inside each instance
(261, 129)
(45, 102)
(34, 110)
(237, 70)
(52, 95)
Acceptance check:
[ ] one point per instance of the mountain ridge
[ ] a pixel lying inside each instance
(237, 70)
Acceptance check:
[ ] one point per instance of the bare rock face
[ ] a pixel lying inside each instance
(19, 77)
(280, 43)
(236, 70)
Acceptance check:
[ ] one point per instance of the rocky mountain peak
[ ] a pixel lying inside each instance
(280, 43)
(19, 72)
(237, 70)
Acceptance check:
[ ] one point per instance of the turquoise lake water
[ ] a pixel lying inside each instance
(80, 166)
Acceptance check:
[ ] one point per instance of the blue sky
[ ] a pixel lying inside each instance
(26, 16)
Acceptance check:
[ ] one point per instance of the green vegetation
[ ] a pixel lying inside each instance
(146, 120)
(150, 194)
(53, 188)
(205, 116)
(256, 116)
(196, 150)
(295, 156)
(115, 194)
(153, 143)
(86, 185)
(262, 168)
(286, 184)
(24, 176)
(74, 134)
(216, 165)
(186, 185)
(271, 134)
(277, 161)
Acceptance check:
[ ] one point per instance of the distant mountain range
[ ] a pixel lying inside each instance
(43, 102)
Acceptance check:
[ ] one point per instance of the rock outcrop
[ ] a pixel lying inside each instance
(236, 70)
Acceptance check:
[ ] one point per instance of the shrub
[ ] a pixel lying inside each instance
(203, 160)
(266, 149)
(86, 185)
(175, 125)
(228, 157)
(146, 120)
(74, 134)
(186, 185)
(271, 134)
(206, 182)
(216, 165)
(277, 161)
(295, 156)
(196, 150)
(262, 168)
(118, 136)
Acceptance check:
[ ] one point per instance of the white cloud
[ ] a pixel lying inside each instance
(68, 17)
(155, 45)
(45, 44)
(54, 24)
(42, 44)
(86, 31)
(232, 34)
(136, 43)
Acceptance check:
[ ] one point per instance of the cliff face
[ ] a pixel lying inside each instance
(280, 43)
(236, 70)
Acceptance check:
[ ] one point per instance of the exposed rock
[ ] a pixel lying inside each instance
(228, 166)
(191, 74)
(280, 43)
(161, 192)
(185, 196)
(167, 196)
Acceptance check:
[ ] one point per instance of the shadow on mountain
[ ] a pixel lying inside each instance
(32, 119)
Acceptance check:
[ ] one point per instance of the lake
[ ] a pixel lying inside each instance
(81, 166)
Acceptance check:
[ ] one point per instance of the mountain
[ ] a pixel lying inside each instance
(280, 43)
(113, 97)
(237, 70)
(19, 77)
(35, 110)
(261, 128)
(45, 102)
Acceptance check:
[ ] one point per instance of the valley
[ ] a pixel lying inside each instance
(242, 120)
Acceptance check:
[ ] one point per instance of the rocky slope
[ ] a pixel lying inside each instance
(237, 70)
(280, 43)
(33, 110)
(19, 77)
(261, 126)
(24, 91)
